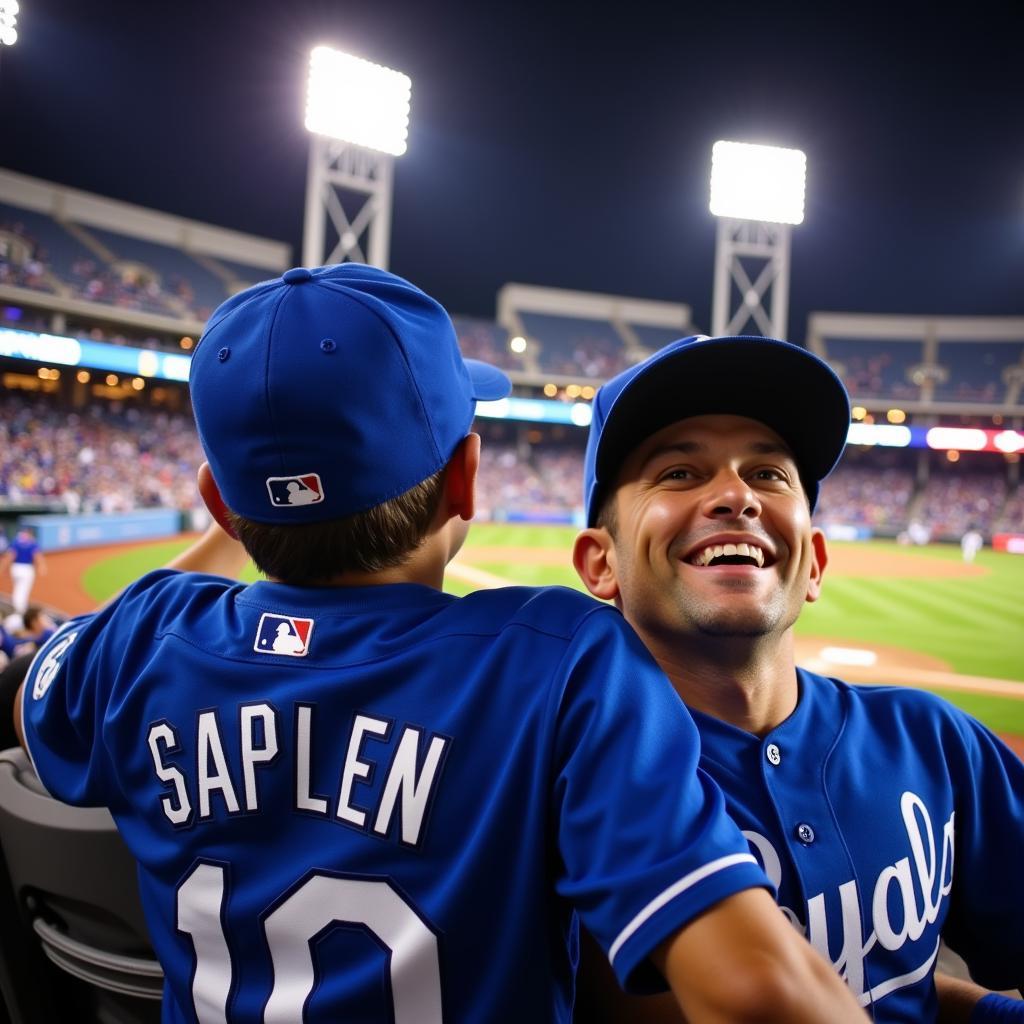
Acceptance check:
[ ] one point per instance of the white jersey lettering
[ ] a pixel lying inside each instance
(398, 784)
(931, 871)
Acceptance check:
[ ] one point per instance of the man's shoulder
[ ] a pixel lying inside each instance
(894, 696)
(905, 709)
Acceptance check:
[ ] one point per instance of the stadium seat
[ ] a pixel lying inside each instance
(72, 886)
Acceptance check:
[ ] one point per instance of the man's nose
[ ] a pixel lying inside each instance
(730, 496)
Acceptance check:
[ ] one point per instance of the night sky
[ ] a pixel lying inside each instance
(552, 145)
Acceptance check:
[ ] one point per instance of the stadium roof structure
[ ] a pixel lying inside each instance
(997, 345)
(623, 313)
(94, 223)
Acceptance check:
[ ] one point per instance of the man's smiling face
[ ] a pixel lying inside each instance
(711, 531)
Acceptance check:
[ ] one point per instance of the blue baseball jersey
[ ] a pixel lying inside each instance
(383, 803)
(24, 550)
(887, 819)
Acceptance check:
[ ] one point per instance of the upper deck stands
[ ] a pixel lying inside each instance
(876, 368)
(976, 371)
(575, 345)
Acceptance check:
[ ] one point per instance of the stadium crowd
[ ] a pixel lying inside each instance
(864, 496)
(103, 459)
(543, 484)
(116, 457)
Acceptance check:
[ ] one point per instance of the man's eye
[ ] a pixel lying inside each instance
(769, 474)
(677, 474)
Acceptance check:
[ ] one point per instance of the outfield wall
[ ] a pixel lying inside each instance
(62, 532)
(1011, 542)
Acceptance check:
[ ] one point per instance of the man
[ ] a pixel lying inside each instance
(353, 796)
(24, 559)
(886, 817)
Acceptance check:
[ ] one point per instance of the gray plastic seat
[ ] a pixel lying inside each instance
(74, 886)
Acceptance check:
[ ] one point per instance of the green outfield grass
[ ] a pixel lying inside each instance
(976, 624)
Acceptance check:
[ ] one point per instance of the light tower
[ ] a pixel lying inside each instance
(757, 192)
(358, 117)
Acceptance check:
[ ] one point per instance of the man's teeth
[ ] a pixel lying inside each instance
(724, 550)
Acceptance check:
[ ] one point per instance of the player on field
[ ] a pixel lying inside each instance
(355, 797)
(23, 559)
(885, 817)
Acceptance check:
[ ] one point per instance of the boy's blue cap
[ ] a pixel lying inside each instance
(325, 392)
(781, 385)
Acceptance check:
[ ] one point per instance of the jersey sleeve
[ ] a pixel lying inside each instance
(645, 842)
(986, 920)
(68, 689)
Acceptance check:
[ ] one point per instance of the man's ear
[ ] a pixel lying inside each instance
(460, 478)
(210, 493)
(593, 555)
(820, 552)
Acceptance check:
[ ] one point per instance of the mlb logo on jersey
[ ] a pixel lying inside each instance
(295, 490)
(283, 634)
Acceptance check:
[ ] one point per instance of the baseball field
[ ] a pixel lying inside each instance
(889, 614)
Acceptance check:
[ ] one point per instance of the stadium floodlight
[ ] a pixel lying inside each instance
(757, 192)
(357, 114)
(355, 101)
(764, 183)
(8, 22)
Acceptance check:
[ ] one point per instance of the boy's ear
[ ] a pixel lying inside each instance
(210, 493)
(593, 555)
(460, 478)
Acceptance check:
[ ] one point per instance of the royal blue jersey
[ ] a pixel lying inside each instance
(383, 803)
(887, 819)
(24, 549)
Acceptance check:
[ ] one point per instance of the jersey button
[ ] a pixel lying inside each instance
(773, 754)
(805, 833)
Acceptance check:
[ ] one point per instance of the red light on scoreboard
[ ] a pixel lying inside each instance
(972, 439)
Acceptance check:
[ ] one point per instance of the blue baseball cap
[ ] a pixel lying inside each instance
(326, 392)
(781, 385)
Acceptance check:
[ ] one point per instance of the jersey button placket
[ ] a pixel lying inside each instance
(773, 754)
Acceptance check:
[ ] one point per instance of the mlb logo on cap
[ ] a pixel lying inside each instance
(295, 490)
(283, 634)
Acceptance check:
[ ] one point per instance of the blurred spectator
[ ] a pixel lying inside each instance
(36, 628)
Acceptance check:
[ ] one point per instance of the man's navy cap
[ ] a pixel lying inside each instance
(781, 385)
(325, 392)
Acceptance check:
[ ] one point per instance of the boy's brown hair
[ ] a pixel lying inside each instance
(316, 553)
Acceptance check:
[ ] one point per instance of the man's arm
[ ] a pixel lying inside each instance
(741, 961)
(215, 552)
(39, 561)
(959, 999)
